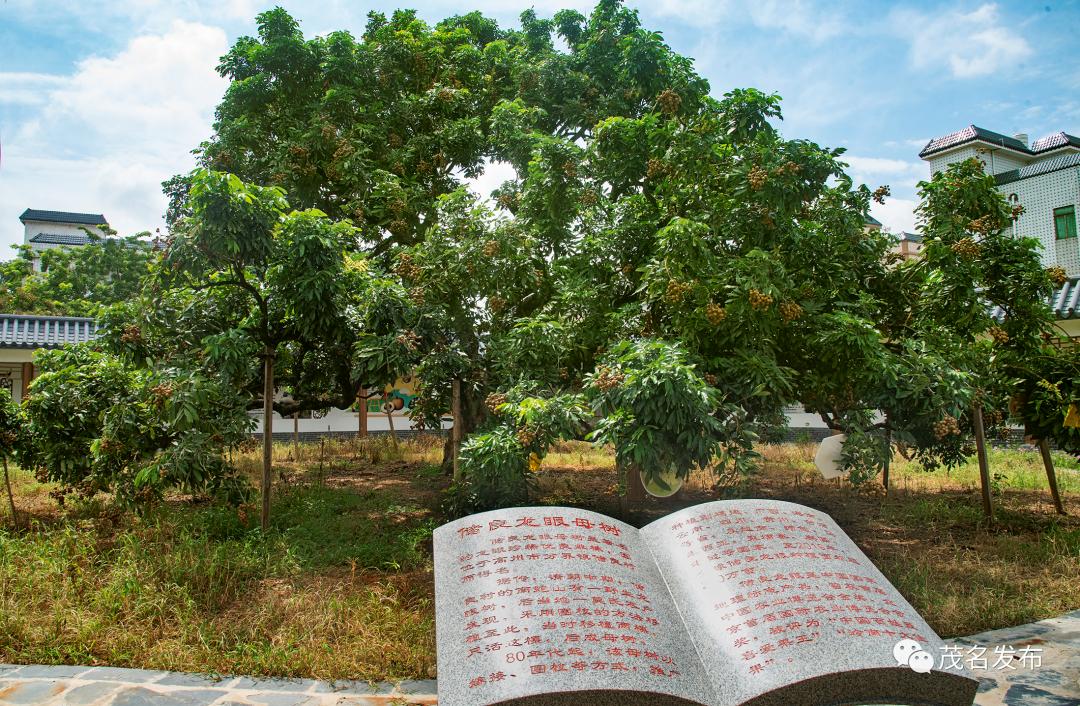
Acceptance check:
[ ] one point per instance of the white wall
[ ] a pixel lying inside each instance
(1040, 196)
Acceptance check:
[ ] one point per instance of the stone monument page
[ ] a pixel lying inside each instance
(785, 609)
(551, 602)
(756, 602)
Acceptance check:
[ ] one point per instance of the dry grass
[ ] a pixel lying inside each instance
(342, 586)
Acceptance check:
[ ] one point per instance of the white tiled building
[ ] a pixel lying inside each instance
(1044, 178)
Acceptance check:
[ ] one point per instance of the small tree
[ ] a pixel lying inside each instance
(94, 422)
(10, 431)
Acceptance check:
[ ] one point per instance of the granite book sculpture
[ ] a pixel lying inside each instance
(726, 603)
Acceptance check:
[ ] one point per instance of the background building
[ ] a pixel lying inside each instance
(43, 230)
(1044, 178)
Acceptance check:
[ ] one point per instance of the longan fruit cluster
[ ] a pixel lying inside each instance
(607, 379)
(669, 101)
(491, 248)
(676, 291)
(948, 426)
(407, 268)
(715, 313)
(494, 401)
(790, 311)
(408, 339)
(760, 300)
(999, 335)
(983, 225)
(1057, 275)
(131, 334)
(966, 247)
(757, 178)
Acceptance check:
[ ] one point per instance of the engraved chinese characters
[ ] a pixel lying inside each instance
(775, 594)
(551, 600)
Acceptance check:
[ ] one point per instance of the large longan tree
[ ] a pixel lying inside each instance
(665, 270)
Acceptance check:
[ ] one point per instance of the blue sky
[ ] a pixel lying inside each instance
(101, 100)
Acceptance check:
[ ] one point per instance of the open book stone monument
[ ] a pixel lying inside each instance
(756, 602)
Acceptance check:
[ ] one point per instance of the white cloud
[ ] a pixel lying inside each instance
(880, 165)
(969, 44)
(799, 17)
(107, 135)
(896, 215)
(26, 88)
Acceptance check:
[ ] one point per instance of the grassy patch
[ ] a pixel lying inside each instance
(336, 589)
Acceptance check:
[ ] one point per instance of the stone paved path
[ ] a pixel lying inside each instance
(1056, 682)
(112, 686)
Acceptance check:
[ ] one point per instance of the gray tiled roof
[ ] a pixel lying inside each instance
(969, 134)
(61, 238)
(86, 219)
(1065, 302)
(871, 221)
(974, 132)
(911, 237)
(29, 331)
(1052, 142)
(1051, 165)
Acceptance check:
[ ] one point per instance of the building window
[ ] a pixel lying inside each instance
(1065, 222)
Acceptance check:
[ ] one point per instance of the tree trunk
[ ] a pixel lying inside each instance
(472, 413)
(1051, 477)
(455, 405)
(268, 432)
(10, 495)
(984, 465)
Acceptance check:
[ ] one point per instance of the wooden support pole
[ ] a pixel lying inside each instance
(888, 460)
(361, 401)
(296, 435)
(455, 431)
(389, 408)
(268, 432)
(27, 377)
(984, 465)
(1048, 463)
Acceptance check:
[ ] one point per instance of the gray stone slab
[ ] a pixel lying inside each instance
(284, 699)
(273, 684)
(141, 696)
(51, 671)
(20, 693)
(346, 686)
(138, 676)
(1023, 695)
(425, 686)
(90, 693)
(7, 670)
(196, 680)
